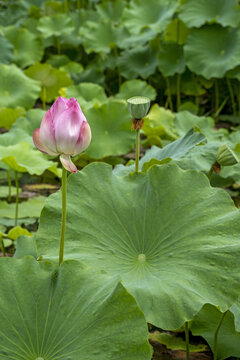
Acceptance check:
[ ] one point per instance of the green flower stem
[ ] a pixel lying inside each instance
(178, 91)
(232, 97)
(216, 97)
(137, 149)
(17, 197)
(216, 335)
(187, 340)
(169, 94)
(64, 213)
(9, 186)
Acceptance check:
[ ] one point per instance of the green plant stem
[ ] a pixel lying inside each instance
(187, 340)
(169, 94)
(216, 336)
(216, 97)
(137, 149)
(232, 97)
(44, 97)
(17, 197)
(178, 91)
(9, 186)
(64, 213)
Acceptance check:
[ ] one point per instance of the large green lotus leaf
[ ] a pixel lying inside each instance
(51, 79)
(212, 50)
(234, 73)
(111, 10)
(28, 48)
(173, 257)
(21, 157)
(139, 61)
(87, 94)
(129, 40)
(8, 116)
(56, 25)
(4, 191)
(16, 89)
(205, 324)
(27, 209)
(6, 54)
(136, 88)
(100, 36)
(111, 130)
(176, 32)
(71, 313)
(171, 60)
(155, 14)
(197, 13)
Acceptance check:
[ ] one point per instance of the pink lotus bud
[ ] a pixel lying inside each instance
(64, 130)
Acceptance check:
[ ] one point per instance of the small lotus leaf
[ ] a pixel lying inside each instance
(176, 32)
(8, 116)
(16, 89)
(197, 13)
(51, 79)
(28, 48)
(132, 88)
(155, 14)
(212, 50)
(27, 209)
(167, 255)
(73, 312)
(17, 231)
(111, 130)
(205, 324)
(87, 94)
(56, 25)
(171, 59)
(6, 54)
(111, 10)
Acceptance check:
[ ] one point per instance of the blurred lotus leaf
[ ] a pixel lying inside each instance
(132, 88)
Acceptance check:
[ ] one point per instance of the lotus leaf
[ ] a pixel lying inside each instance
(111, 130)
(171, 59)
(22, 158)
(111, 10)
(136, 87)
(4, 190)
(212, 50)
(51, 79)
(17, 231)
(155, 14)
(87, 94)
(8, 116)
(129, 40)
(16, 89)
(176, 32)
(28, 209)
(100, 36)
(28, 48)
(205, 324)
(197, 13)
(60, 313)
(6, 54)
(56, 25)
(139, 61)
(192, 232)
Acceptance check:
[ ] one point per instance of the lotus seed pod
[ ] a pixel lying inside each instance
(225, 156)
(138, 106)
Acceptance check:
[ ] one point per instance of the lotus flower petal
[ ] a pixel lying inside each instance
(67, 129)
(47, 132)
(67, 163)
(84, 139)
(40, 145)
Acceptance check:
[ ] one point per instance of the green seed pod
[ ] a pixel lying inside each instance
(138, 106)
(225, 156)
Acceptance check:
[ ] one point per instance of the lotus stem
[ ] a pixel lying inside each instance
(169, 94)
(232, 97)
(64, 213)
(9, 186)
(178, 91)
(187, 340)
(137, 149)
(216, 335)
(216, 97)
(17, 197)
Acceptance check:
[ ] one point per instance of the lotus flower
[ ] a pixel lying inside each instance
(64, 131)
